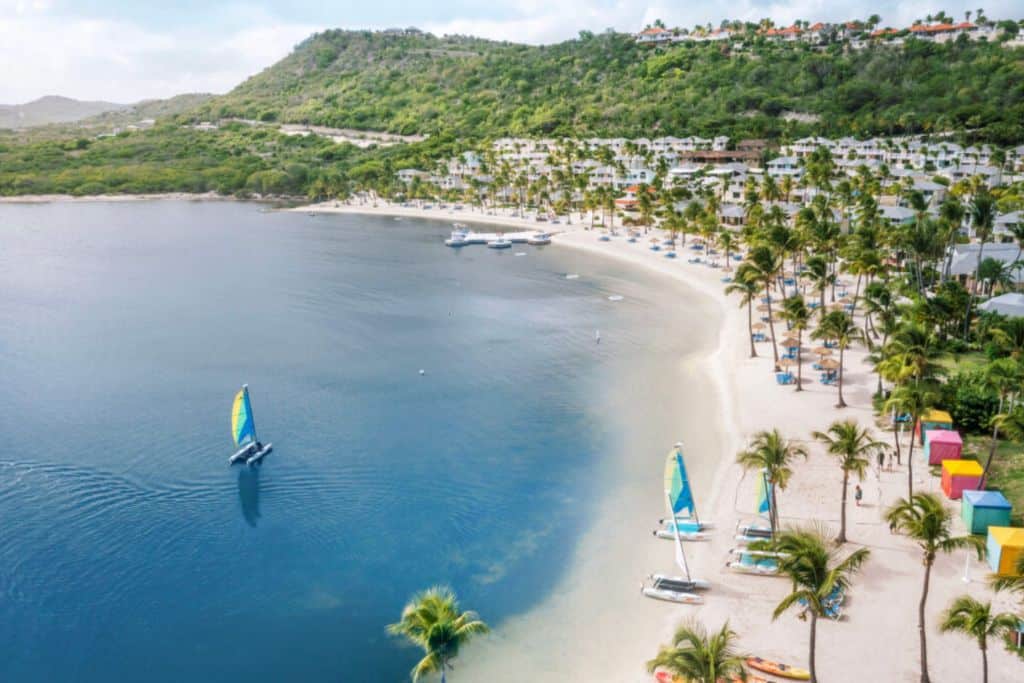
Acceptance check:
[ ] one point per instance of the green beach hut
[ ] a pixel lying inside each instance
(982, 509)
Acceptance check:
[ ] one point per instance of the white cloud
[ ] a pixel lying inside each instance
(123, 62)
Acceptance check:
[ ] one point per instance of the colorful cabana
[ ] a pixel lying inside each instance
(942, 444)
(1005, 547)
(933, 419)
(959, 476)
(983, 509)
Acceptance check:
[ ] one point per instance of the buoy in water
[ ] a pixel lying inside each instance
(422, 371)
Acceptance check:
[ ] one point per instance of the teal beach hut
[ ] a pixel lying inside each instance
(982, 509)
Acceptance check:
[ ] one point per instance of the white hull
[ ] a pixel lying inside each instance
(249, 455)
(690, 584)
(754, 570)
(258, 455)
(703, 524)
(673, 596)
(670, 535)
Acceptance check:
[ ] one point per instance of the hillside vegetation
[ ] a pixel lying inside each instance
(608, 85)
(51, 109)
(465, 91)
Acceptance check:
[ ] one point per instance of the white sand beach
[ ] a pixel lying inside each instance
(596, 626)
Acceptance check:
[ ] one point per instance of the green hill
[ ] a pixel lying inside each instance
(606, 84)
(464, 91)
(51, 109)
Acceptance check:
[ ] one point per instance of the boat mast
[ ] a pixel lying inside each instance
(680, 555)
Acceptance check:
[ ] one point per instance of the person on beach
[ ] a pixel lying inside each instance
(858, 494)
(881, 460)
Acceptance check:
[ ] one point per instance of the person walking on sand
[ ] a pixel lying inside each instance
(858, 494)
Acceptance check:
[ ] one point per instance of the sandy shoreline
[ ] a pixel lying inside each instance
(880, 614)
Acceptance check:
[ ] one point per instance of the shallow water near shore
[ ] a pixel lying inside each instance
(128, 545)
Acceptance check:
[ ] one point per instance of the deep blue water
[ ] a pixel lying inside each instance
(129, 550)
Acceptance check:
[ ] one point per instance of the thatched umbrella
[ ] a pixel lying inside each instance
(829, 364)
(787, 362)
(823, 351)
(759, 326)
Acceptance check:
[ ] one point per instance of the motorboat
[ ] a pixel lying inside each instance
(500, 243)
(458, 239)
(539, 239)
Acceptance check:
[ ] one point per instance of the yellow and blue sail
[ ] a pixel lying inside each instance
(763, 495)
(677, 485)
(243, 428)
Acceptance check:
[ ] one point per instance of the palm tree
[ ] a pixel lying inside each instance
(697, 657)
(839, 326)
(433, 621)
(852, 445)
(975, 619)
(1003, 375)
(772, 454)
(983, 215)
(914, 400)
(927, 521)
(796, 313)
(746, 285)
(765, 264)
(808, 560)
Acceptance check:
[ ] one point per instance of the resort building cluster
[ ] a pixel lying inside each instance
(734, 175)
(855, 34)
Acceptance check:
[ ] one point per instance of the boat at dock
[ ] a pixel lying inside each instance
(499, 243)
(539, 239)
(243, 429)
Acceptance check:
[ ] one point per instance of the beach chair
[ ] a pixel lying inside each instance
(816, 366)
(813, 305)
(784, 378)
(726, 279)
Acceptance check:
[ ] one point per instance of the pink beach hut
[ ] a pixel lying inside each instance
(942, 444)
(959, 476)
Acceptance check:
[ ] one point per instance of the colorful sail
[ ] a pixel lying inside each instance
(763, 495)
(677, 485)
(243, 428)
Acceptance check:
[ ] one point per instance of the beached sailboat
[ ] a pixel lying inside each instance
(682, 508)
(677, 498)
(243, 429)
(758, 531)
(756, 562)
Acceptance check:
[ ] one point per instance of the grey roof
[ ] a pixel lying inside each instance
(964, 260)
(1011, 304)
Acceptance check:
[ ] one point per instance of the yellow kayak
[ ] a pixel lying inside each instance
(776, 669)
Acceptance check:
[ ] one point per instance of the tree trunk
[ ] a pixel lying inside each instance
(773, 508)
(842, 511)
(842, 403)
(984, 664)
(920, 622)
(750, 327)
(991, 455)
(799, 360)
(896, 440)
(771, 322)
(813, 644)
(910, 466)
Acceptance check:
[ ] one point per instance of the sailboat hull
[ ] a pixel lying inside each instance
(702, 525)
(670, 535)
(673, 596)
(243, 454)
(680, 582)
(258, 455)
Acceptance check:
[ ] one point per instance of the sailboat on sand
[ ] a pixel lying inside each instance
(677, 497)
(243, 429)
(682, 508)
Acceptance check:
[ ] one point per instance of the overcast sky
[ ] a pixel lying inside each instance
(127, 50)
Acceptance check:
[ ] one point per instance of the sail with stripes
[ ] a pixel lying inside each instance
(243, 427)
(764, 504)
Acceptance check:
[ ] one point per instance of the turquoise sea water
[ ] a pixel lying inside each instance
(129, 550)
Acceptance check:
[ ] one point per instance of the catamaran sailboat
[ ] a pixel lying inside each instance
(243, 429)
(678, 498)
(684, 519)
(758, 531)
